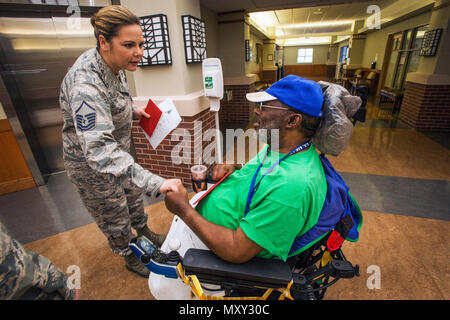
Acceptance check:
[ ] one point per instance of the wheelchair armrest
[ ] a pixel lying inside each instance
(257, 272)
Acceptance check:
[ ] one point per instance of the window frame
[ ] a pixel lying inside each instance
(406, 50)
(305, 55)
(343, 53)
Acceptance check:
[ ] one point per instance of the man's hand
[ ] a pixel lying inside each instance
(230, 245)
(177, 201)
(219, 170)
(171, 185)
(139, 112)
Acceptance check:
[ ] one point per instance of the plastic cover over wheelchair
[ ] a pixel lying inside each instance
(336, 129)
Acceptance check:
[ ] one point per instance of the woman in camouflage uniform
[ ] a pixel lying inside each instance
(97, 110)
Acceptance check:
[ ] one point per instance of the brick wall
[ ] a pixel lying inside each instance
(237, 112)
(174, 157)
(426, 107)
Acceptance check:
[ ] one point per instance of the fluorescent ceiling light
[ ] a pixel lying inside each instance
(33, 32)
(316, 24)
(304, 41)
(47, 27)
(266, 18)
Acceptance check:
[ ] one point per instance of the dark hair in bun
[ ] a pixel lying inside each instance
(108, 20)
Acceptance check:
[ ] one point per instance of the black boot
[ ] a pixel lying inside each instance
(132, 263)
(157, 239)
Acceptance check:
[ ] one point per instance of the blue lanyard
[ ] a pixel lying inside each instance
(253, 187)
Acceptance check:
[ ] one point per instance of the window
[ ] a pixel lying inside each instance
(404, 57)
(305, 55)
(343, 54)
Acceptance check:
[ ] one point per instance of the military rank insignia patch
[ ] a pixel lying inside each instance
(85, 116)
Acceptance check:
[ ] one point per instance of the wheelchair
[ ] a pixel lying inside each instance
(315, 263)
(305, 276)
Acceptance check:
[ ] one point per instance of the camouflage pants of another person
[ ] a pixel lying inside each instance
(115, 208)
(27, 275)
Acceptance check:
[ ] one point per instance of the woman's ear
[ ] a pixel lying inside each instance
(103, 43)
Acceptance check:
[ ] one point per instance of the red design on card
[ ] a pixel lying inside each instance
(149, 124)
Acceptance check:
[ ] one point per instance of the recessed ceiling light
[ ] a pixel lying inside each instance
(316, 24)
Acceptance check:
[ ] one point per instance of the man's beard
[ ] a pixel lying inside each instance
(269, 136)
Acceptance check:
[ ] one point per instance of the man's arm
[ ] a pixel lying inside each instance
(230, 245)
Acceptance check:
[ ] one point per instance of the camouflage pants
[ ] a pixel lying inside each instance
(27, 275)
(115, 208)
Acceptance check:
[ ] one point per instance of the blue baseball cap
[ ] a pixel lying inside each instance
(296, 92)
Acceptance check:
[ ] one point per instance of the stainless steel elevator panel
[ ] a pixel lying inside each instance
(37, 53)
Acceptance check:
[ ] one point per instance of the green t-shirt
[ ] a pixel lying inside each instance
(287, 203)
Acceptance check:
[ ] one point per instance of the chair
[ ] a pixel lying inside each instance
(260, 83)
(316, 257)
(305, 276)
(360, 115)
(363, 79)
(302, 277)
(358, 74)
(391, 96)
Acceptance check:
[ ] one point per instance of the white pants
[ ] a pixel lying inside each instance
(163, 288)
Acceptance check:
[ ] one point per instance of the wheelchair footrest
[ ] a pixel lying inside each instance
(257, 272)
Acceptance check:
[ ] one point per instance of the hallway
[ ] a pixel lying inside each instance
(399, 176)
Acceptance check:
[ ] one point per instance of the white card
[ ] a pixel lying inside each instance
(170, 119)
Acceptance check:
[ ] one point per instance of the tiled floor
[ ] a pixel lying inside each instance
(400, 178)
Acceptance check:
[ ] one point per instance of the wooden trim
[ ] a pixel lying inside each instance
(315, 70)
(4, 125)
(387, 57)
(14, 172)
(16, 185)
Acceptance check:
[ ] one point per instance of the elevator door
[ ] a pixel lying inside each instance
(37, 53)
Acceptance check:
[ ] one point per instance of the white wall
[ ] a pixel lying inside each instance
(252, 66)
(179, 78)
(320, 54)
(232, 49)
(212, 31)
(376, 41)
(269, 48)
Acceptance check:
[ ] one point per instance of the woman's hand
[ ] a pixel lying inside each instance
(178, 202)
(139, 112)
(171, 185)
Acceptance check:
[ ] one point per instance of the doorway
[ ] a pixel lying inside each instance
(38, 44)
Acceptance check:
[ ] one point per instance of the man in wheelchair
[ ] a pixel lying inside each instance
(278, 207)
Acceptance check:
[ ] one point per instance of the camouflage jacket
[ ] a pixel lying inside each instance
(97, 110)
(27, 275)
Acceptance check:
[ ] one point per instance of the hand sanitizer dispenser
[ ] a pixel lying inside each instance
(213, 86)
(213, 81)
